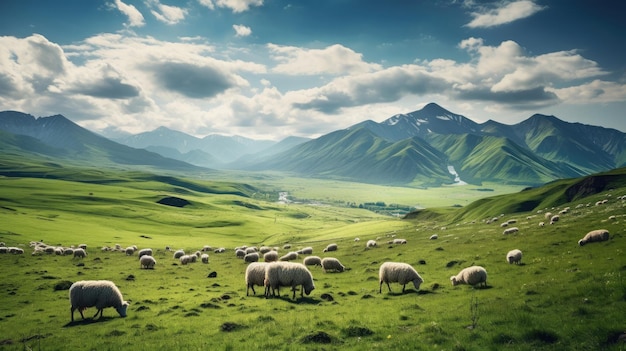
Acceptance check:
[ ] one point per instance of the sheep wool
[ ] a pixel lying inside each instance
(398, 272)
(251, 257)
(312, 261)
(514, 256)
(204, 258)
(144, 252)
(371, 243)
(332, 264)
(290, 256)
(511, 230)
(594, 236)
(255, 275)
(147, 262)
(178, 254)
(80, 253)
(291, 274)
(330, 247)
(96, 293)
(271, 256)
(471, 275)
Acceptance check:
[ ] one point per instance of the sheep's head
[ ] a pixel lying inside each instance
(122, 309)
(417, 283)
(581, 242)
(453, 280)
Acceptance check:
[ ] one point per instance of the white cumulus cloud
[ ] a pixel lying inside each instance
(166, 13)
(135, 18)
(506, 13)
(241, 30)
(236, 6)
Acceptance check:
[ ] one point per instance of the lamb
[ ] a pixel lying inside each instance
(511, 230)
(290, 256)
(251, 257)
(371, 243)
(271, 256)
(514, 256)
(147, 262)
(255, 275)
(471, 275)
(398, 272)
(144, 252)
(80, 253)
(594, 236)
(330, 247)
(332, 264)
(98, 293)
(204, 258)
(312, 261)
(291, 274)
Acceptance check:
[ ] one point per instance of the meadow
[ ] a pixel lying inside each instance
(561, 297)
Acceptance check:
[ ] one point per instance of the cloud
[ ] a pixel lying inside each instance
(191, 80)
(335, 59)
(241, 30)
(593, 92)
(135, 18)
(101, 82)
(165, 13)
(506, 13)
(236, 6)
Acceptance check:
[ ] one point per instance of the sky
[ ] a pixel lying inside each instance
(268, 69)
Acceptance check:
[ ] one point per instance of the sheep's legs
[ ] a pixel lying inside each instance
(99, 311)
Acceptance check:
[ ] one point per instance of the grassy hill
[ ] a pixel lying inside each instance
(562, 297)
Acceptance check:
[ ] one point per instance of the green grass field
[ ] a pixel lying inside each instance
(563, 297)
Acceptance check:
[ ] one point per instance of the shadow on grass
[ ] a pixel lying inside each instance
(298, 300)
(87, 321)
(408, 292)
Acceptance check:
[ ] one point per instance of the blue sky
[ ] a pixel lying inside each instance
(268, 69)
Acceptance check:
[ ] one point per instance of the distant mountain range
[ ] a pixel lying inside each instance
(428, 147)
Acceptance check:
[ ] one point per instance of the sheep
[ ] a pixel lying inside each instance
(547, 215)
(554, 219)
(83, 246)
(255, 275)
(98, 293)
(330, 247)
(290, 256)
(371, 243)
(312, 261)
(594, 236)
(4, 250)
(207, 248)
(511, 230)
(541, 224)
(398, 272)
(178, 254)
(239, 253)
(220, 250)
(264, 249)
(129, 251)
(147, 262)
(471, 275)
(80, 253)
(305, 251)
(356, 240)
(434, 237)
(204, 258)
(144, 252)
(332, 264)
(291, 274)
(251, 257)
(514, 256)
(185, 259)
(271, 256)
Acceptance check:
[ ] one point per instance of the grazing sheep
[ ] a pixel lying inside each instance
(83, 246)
(554, 219)
(305, 251)
(264, 249)
(207, 248)
(129, 251)
(204, 258)
(80, 253)
(251, 257)
(220, 250)
(290, 256)
(371, 243)
(471, 275)
(612, 218)
(594, 236)
(4, 250)
(330, 247)
(147, 262)
(239, 253)
(332, 264)
(504, 224)
(144, 252)
(98, 293)
(357, 240)
(511, 230)
(291, 274)
(547, 215)
(250, 250)
(271, 256)
(312, 261)
(398, 272)
(434, 237)
(541, 224)
(186, 259)
(178, 254)
(255, 275)
(514, 256)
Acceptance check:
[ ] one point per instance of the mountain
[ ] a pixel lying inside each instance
(211, 151)
(58, 136)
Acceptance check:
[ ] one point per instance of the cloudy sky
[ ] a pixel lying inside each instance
(267, 69)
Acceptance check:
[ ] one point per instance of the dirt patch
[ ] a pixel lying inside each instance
(174, 201)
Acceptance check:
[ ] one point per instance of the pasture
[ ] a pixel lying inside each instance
(562, 296)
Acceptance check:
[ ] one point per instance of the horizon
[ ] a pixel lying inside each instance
(268, 70)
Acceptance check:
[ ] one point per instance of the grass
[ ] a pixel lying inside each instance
(562, 297)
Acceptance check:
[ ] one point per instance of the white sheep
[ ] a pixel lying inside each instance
(434, 237)
(398, 272)
(98, 293)
(356, 240)
(271, 256)
(291, 274)
(204, 258)
(144, 252)
(511, 230)
(290, 256)
(554, 219)
(330, 247)
(255, 275)
(371, 243)
(594, 236)
(147, 262)
(471, 275)
(312, 261)
(514, 256)
(186, 259)
(251, 257)
(178, 254)
(129, 251)
(80, 253)
(239, 253)
(305, 251)
(332, 264)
